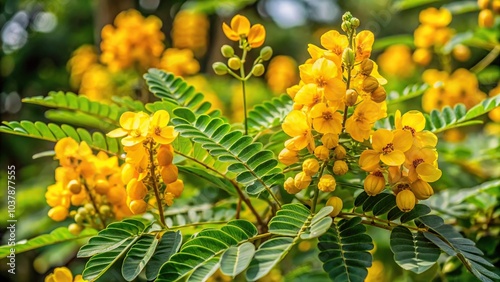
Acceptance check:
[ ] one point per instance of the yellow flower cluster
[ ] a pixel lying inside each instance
(179, 62)
(63, 274)
(448, 90)
(80, 62)
(396, 61)
(132, 41)
(407, 155)
(433, 31)
(489, 10)
(90, 181)
(190, 31)
(281, 73)
(146, 140)
(335, 78)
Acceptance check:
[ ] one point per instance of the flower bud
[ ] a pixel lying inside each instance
(288, 157)
(302, 180)
(290, 186)
(374, 183)
(351, 97)
(483, 4)
(337, 205)
(101, 186)
(370, 84)
(394, 174)
(116, 195)
(405, 200)
(330, 140)
(346, 16)
(258, 70)
(461, 52)
(322, 153)
(344, 27)
(234, 63)
(74, 186)
(58, 213)
(422, 56)
(138, 206)
(266, 53)
(74, 229)
(227, 51)
(340, 168)
(82, 211)
(348, 57)
(354, 22)
(327, 183)
(90, 208)
(366, 66)
(219, 68)
(486, 18)
(79, 218)
(165, 155)
(310, 167)
(340, 152)
(136, 190)
(421, 189)
(176, 188)
(379, 95)
(128, 172)
(169, 173)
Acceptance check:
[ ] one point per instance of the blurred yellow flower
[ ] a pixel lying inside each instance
(241, 30)
(281, 73)
(133, 41)
(179, 62)
(434, 17)
(397, 61)
(190, 31)
(97, 84)
(80, 62)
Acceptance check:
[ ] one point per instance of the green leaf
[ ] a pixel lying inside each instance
(204, 271)
(202, 249)
(418, 211)
(169, 244)
(409, 4)
(138, 256)
(175, 90)
(412, 251)
(236, 259)
(388, 41)
(438, 121)
(204, 174)
(408, 92)
(53, 132)
(74, 107)
(269, 114)
(462, 7)
(293, 220)
(59, 235)
(111, 244)
(255, 168)
(454, 244)
(344, 251)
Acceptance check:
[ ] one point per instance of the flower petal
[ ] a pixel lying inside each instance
(230, 33)
(256, 35)
(119, 132)
(381, 138)
(403, 140)
(369, 160)
(414, 119)
(160, 119)
(428, 172)
(394, 158)
(241, 25)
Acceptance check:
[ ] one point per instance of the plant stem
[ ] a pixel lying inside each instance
(486, 61)
(155, 185)
(248, 203)
(238, 209)
(243, 81)
(94, 204)
(316, 191)
(260, 236)
(389, 225)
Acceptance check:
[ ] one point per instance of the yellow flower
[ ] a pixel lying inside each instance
(364, 42)
(60, 274)
(323, 73)
(421, 163)
(81, 60)
(175, 188)
(397, 61)
(327, 183)
(335, 42)
(308, 95)
(288, 157)
(58, 213)
(414, 122)
(388, 147)
(310, 166)
(322, 153)
(421, 189)
(159, 130)
(281, 73)
(290, 187)
(340, 167)
(405, 200)
(337, 205)
(180, 62)
(326, 119)
(134, 126)
(297, 126)
(330, 140)
(240, 30)
(434, 17)
(302, 180)
(138, 206)
(360, 123)
(190, 30)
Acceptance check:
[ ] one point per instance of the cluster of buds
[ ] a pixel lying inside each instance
(334, 79)
(248, 38)
(408, 157)
(489, 10)
(149, 154)
(90, 183)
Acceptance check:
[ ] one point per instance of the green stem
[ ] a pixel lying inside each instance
(94, 204)
(486, 61)
(155, 185)
(316, 191)
(243, 88)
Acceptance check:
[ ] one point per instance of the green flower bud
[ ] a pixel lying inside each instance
(348, 57)
(219, 68)
(234, 63)
(258, 70)
(344, 27)
(227, 51)
(346, 16)
(354, 22)
(266, 53)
